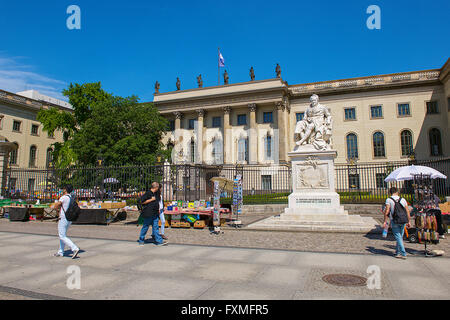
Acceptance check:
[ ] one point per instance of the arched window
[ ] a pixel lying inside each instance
(33, 151)
(406, 142)
(49, 157)
(352, 146)
(378, 145)
(13, 155)
(435, 142)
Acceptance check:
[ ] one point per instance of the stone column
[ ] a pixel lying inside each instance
(227, 136)
(281, 124)
(177, 137)
(287, 116)
(253, 136)
(199, 136)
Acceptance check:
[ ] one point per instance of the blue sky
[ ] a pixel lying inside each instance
(128, 45)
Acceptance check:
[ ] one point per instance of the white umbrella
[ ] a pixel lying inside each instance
(111, 180)
(408, 172)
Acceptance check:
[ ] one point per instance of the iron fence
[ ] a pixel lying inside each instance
(356, 183)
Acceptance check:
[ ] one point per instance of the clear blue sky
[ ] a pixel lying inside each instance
(128, 45)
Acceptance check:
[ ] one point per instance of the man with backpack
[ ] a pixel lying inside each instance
(150, 213)
(66, 217)
(398, 212)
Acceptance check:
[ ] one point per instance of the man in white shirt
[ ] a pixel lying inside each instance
(397, 229)
(63, 225)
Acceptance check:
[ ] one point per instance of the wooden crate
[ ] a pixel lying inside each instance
(199, 224)
(185, 224)
(175, 224)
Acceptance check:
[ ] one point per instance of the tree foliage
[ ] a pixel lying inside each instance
(116, 129)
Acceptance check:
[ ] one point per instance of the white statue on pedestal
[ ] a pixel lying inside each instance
(315, 128)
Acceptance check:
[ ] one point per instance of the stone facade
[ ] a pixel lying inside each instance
(18, 124)
(253, 122)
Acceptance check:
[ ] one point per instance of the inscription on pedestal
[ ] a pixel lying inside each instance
(301, 201)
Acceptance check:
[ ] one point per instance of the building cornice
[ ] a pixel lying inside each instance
(28, 103)
(388, 81)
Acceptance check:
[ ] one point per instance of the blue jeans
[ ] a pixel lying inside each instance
(398, 230)
(152, 221)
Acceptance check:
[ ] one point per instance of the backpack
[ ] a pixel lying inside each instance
(73, 211)
(399, 216)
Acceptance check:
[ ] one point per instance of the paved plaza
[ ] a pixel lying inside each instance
(120, 269)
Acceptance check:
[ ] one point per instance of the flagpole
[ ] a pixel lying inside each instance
(218, 66)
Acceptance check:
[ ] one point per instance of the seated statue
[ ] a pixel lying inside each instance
(315, 128)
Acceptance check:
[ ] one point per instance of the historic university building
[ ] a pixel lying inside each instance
(375, 119)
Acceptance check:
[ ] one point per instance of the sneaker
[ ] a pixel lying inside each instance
(164, 237)
(399, 256)
(58, 254)
(442, 237)
(164, 243)
(75, 253)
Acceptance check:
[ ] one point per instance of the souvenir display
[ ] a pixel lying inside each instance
(425, 220)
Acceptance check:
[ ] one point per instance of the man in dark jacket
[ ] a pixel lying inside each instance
(150, 213)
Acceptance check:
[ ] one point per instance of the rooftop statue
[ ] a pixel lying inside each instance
(157, 87)
(225, 77)
(315, 128)
(200, 81)
(178, 83)
(278, 71)
(252, 74)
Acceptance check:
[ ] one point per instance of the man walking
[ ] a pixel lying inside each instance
(398, 212)
(63, 224)
(150, 213)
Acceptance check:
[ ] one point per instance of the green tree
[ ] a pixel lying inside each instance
(120, 130)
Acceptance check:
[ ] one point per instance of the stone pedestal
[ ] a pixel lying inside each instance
(314, 204)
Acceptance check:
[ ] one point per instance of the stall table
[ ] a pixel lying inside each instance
(201, 212)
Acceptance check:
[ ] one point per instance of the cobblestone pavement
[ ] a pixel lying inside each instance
(299, 241)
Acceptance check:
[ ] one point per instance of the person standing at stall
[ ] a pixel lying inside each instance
(397, 211)
(150, 213)
(63, 224)
(161, 212)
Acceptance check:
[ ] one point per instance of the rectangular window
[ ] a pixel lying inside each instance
(217, 122)
(34, 129)
(299, 116)
(16, 125)
(243, 150)
(1, 121)
(350, 113)
(353, 181)
(403, 109)
(241, 119)
(31, 185)
(267, 117)
(191, 124)
(376, 112)
(12, 183)
(381, 184)
(268, 145)
(266, 182)
(171, 125)
(432, 107)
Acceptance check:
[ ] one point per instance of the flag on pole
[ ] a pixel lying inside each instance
(221, 60)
